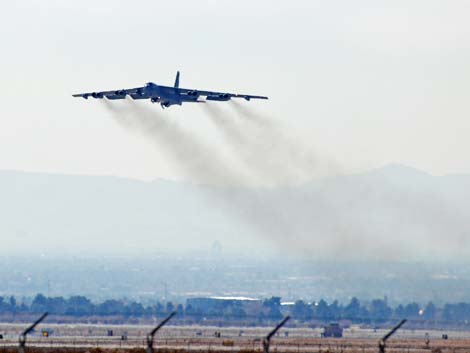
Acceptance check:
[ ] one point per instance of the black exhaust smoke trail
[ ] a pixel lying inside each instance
(193, 157)
(236, 135)
(201, 163)
(301, 161)
(267, 150)
(198, 162)
(248, 115)
(286, 220)
(276, 158)
(326, 221)
(256, 146)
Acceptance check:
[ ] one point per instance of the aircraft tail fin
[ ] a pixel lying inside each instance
(177, 80)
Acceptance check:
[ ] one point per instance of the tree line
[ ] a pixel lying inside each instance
(374, 311)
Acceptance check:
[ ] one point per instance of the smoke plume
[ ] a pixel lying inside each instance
(305, 218)
(199, 162)
(268, 151)
(269, 158)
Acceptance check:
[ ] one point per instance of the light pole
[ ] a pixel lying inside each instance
(152, 333)
(22, 338)
(267, 339)
(384, 339)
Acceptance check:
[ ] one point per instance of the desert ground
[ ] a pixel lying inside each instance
(132, 338)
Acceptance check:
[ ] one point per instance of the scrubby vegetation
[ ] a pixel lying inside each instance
(375, 311)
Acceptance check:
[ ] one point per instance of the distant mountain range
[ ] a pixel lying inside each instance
(390, 212)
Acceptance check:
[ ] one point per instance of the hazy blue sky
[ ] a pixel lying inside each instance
(364, 82)
(353, 85)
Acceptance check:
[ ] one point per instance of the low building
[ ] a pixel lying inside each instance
(333, 330)
(213, 304)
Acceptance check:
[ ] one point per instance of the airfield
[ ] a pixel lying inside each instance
(94, 338)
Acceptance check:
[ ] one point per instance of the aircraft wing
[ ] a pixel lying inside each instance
(218, 96)
(135, 93)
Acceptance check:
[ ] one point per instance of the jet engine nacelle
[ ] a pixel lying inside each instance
(193, 94)
(155, 99)
(97, 95)
(219, 97)
(120, 93)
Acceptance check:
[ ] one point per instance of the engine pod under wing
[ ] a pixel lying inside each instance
(219, 97)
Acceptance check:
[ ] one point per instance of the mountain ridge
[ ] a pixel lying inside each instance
(366, 214)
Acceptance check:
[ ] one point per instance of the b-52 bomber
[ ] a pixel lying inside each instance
(167, 95)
